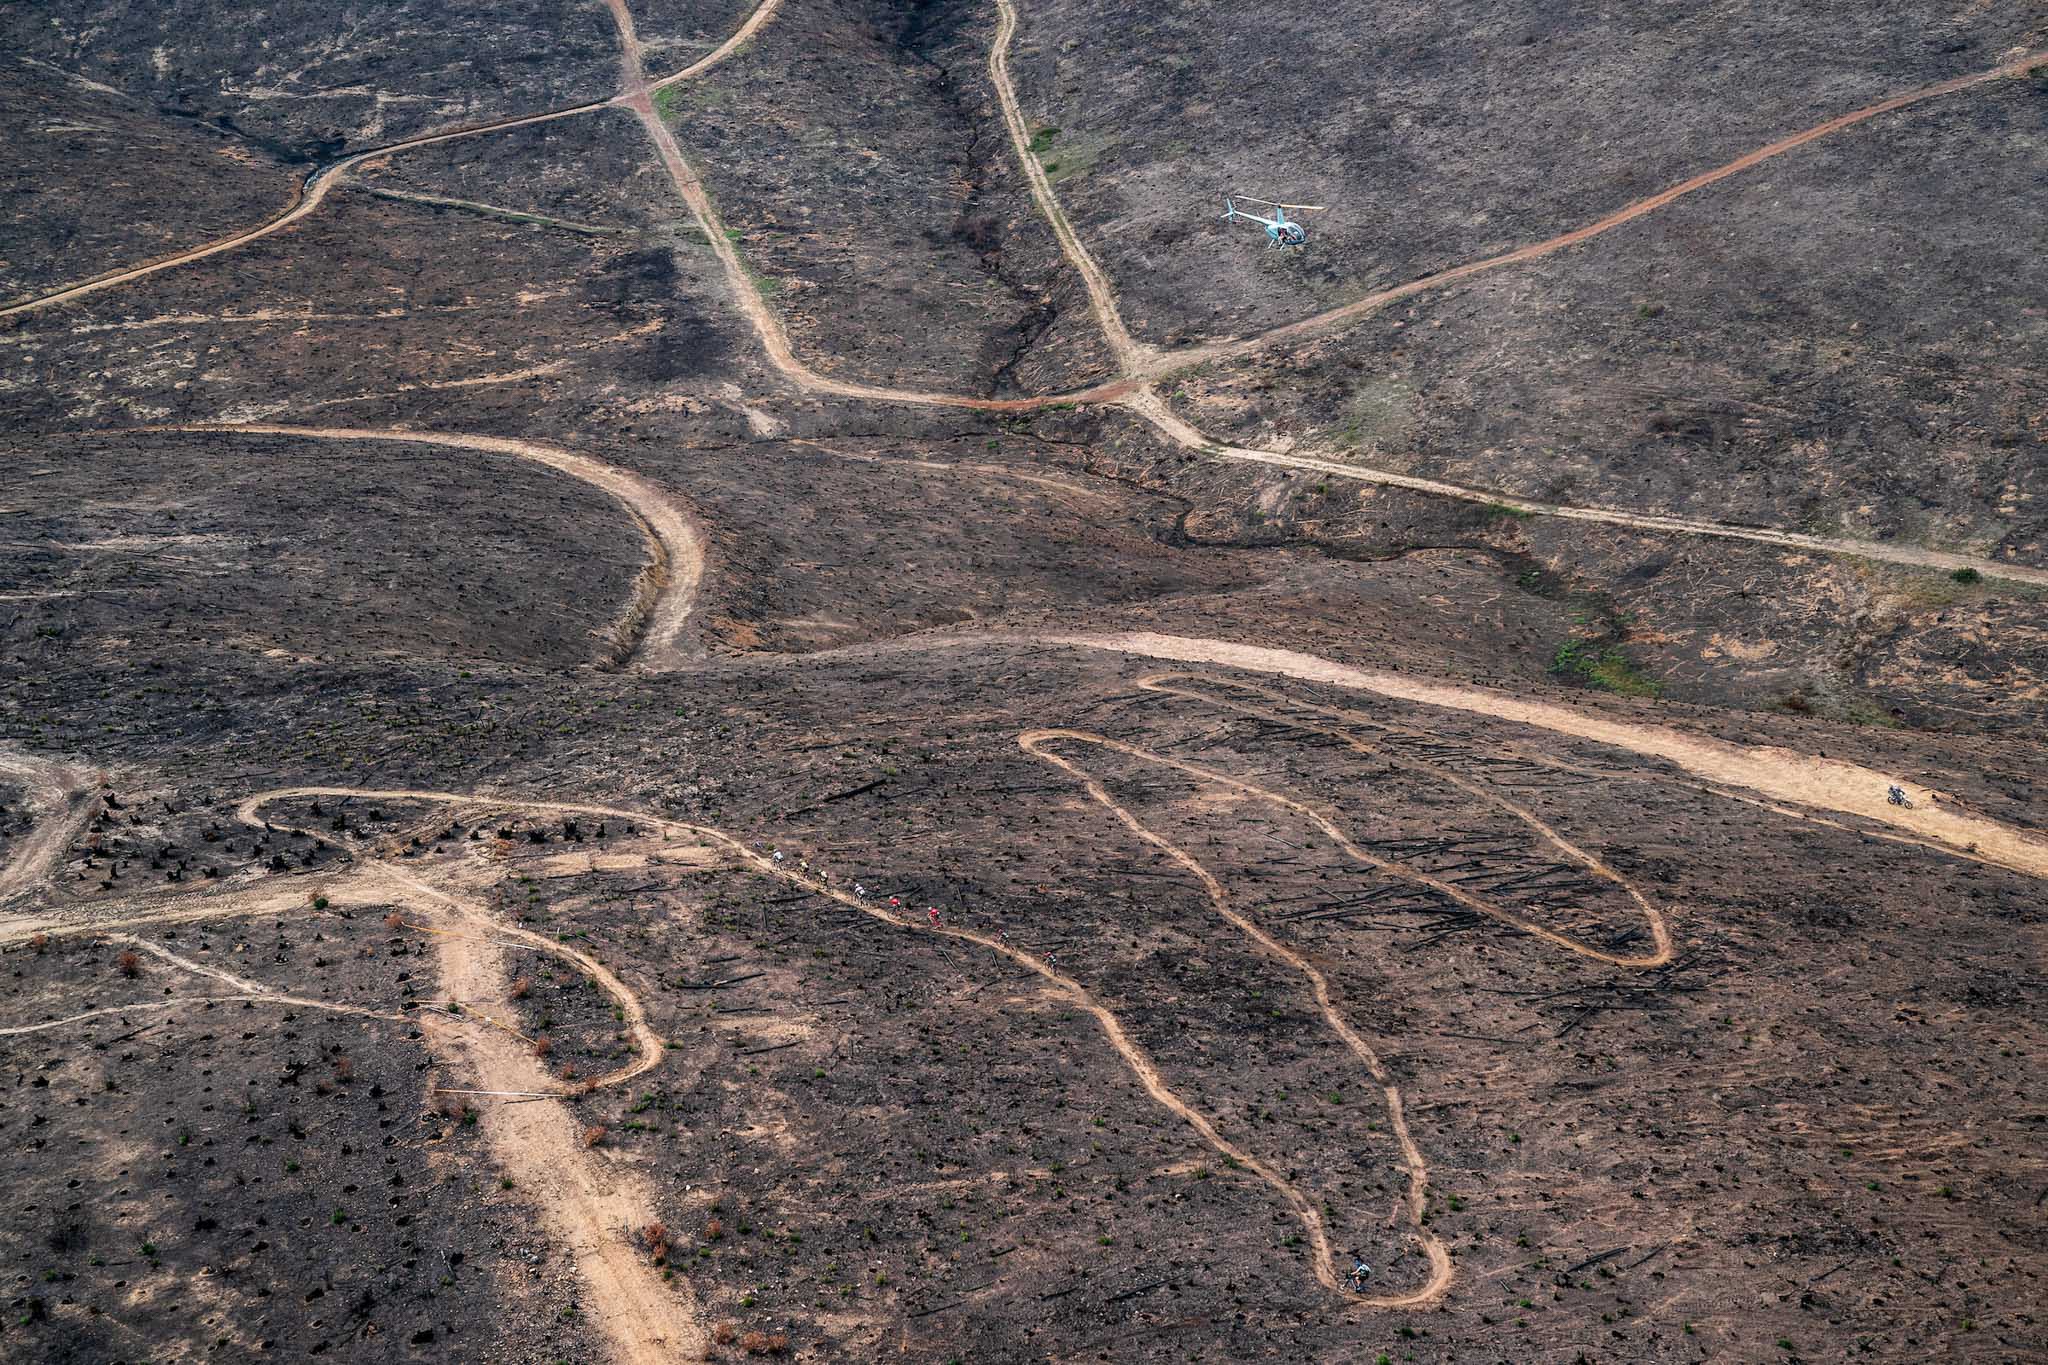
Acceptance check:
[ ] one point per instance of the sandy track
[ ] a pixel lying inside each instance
(56, 793)
(1153, 409)
(653, 632)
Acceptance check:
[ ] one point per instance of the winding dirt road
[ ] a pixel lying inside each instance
(309, 197)
(652, 634)
(1138, 363)
(1777, 773)
(1035, 742)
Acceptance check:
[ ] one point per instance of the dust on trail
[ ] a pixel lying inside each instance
(1779, 773)
(1034, 742)
(56, 793)
(1148, 405)
(653, 632)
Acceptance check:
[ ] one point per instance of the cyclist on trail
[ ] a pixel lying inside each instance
(1896, 795)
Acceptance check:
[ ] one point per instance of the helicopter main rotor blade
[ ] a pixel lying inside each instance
(1274, 203)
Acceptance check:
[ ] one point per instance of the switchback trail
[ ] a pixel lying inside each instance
(1767, 770)
(652, 634)
(1194, 688)
(1035, 742)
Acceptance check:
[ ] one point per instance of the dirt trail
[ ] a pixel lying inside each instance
(309, 195)
(1148, 405)
(1779, 773)
(308, 198)
(633, 1013)
(761, 15)
(1130, 354)
(56, 792)
(1337, 317)
(1033, 742)
(1112, 1028)
(653, 633)
(266, 997)
(186, 964)
(748, 299)
(1189, 687)
(590, 1204)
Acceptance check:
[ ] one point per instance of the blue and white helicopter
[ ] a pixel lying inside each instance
(1280, 229)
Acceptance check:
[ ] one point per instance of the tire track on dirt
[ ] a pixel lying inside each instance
(55, 791)
(298, 1002)
(652, 635)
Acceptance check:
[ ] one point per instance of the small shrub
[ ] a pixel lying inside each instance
(394, 920)
(543, 1045)
(1966, 575)
(725, 1334)
(594, 1134)
(521, 988)
(129, 964)
(764, 1343)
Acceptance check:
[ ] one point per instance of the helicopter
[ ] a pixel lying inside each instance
(1280, 229)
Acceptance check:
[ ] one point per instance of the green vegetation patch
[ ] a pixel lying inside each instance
(1604, 667)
